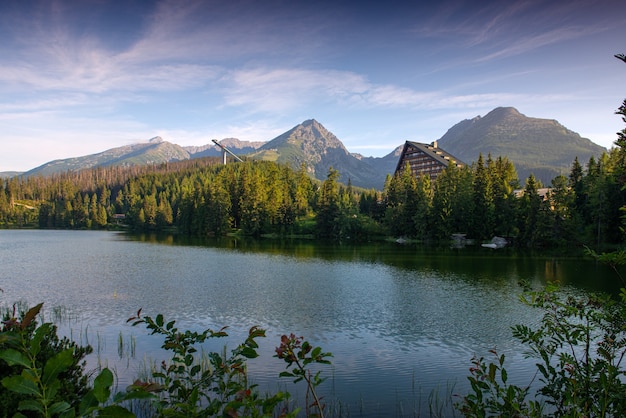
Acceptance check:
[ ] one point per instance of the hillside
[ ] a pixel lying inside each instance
(155, 151)
(543, 147)
(385, 165)
(312, 144)
(241, 147)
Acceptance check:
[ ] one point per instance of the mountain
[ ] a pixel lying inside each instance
(9, 174)
(312, 144)
(242, 147)
(155, 151)
(308, 142)
(386, 164)
(543, 147)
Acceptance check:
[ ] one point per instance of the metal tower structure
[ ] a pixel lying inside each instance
(225, 151)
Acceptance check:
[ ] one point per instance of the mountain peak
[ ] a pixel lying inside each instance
(156, 140)
(505, 111)
(312, 144)
(309, 133)
(500, 115)
(310, 122)
(543, 147)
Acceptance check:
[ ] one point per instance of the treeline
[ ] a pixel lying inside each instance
(202, 197)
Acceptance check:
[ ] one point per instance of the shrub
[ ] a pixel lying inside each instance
(43, 376)
(188, 388)
(37, 364)
(580, 348)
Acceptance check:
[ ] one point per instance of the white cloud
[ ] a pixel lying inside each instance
(282, 89)
(89, 76)
(267, 90)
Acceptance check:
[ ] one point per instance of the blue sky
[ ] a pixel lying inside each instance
(80, 77)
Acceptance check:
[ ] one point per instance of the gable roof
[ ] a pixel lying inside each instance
(433, 151)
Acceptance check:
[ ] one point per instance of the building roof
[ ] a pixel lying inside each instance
(433, 151)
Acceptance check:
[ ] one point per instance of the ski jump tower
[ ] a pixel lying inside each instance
(226, 151)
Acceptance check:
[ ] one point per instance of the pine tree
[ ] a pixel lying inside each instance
(528, 215)
(484, 209)
(328, 210)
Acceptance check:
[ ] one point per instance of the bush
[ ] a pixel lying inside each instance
(29, 353)
(43, 376)
(580, 347)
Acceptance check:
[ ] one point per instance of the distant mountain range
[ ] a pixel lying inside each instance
(541, 146)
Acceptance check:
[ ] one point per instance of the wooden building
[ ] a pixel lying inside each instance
(425, 159)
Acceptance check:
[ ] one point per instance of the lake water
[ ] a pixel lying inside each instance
(402, 322)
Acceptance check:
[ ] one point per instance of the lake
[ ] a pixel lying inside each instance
(402, 321)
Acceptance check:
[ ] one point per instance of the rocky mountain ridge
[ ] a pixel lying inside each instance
(541, 146)
(312, 144)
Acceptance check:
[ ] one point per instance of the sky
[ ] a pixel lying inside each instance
(81, 77)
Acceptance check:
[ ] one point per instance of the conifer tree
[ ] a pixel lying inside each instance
(328, 209)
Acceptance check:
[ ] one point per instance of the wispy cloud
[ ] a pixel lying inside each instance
(278, 90)
(96, 70)
(506, 29)
(281, 89)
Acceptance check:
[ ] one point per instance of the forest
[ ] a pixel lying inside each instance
(202, 197)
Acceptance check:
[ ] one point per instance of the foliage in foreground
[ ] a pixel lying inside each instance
(580, 348)
(26, 347)
(43, 376)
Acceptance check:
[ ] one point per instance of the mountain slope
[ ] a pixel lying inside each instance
(312, 144)
(234, 144)
(543, 147)
(155, 151)
(384, 165)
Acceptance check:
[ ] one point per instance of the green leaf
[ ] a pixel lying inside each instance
(70, 413)
(52, 389)
(188, 360)
(159, 320)
(115, 411)
(102, 385)
(492, 372)
(57, 364)
(21, 384)
(13, 357)
(249, 352)
(88, 402)
(58, 408)
(40, 333)
(9, 337)
(30, 405)
(194, 395)
(316, 352)
(195, 370)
